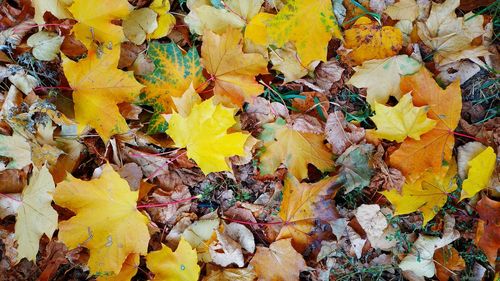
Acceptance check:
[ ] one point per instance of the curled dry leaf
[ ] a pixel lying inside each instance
(226, 251)
(420, 260)
(342, 134)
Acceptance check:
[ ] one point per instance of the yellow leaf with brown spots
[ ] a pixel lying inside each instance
(368, 40)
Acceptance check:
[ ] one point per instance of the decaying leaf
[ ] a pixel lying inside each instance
(138, 24)
(370, 41)
(204, 134)
(355, 167)
(58, 8)
(106, 221)
(403, 10)
(341, 134)
(303, 204)
(294, 149)
(447, 260)
(282, 255)
(420, 260)
(489, 242)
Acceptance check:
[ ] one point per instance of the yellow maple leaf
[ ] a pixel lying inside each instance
(98, 26)
(388, 73)
(166, 21)
(256, 29)
(107, 221)
(427, 194)
(294, 149)
(226, 15)
(56, 7)
(17, 148)
(401, 121)
(302, 205)
(308, 25)
(35, 216)
(232, 70)
(204, 134)
(98, 86)
(481, 168)
(174, 72)
(168, 265)
(370, 41)
(128, 270)
(436, 146)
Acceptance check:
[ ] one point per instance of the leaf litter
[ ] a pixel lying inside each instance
(249, 140)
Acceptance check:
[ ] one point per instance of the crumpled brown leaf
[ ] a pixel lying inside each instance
(385, 178)
(226, 251)
(342, 134)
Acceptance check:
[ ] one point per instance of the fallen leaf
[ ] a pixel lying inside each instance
(282, 255)
(98, 86)
(374, 223)
(229, 274)
(174, 72)
(357, 243)
(403, 10)
(128, 270)
(287, 62)
(466, 153)
(427, 194)
(56, 7)
(138, 24)
(435, 147)
(356, 168)
(204, 134)
(232, 71)
(166, 21)
(327, 74)
(17, 149)
(45, 45)
(294, 149)
(388, 72)
(450, 36)
(481, 168)
(302, 205)
(420, 259)
(106, 221)
(218, 19)
(489, 211)
(35, 216)
(370, 41)
(9, 204)
(309, 26)
(341, 134)
(447, 260)
(199, 234)
(98, 26)
(401, 121)
(242, 235)
(179, 265)
(226, 251)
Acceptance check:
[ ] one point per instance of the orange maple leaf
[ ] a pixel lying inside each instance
(435, 147)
